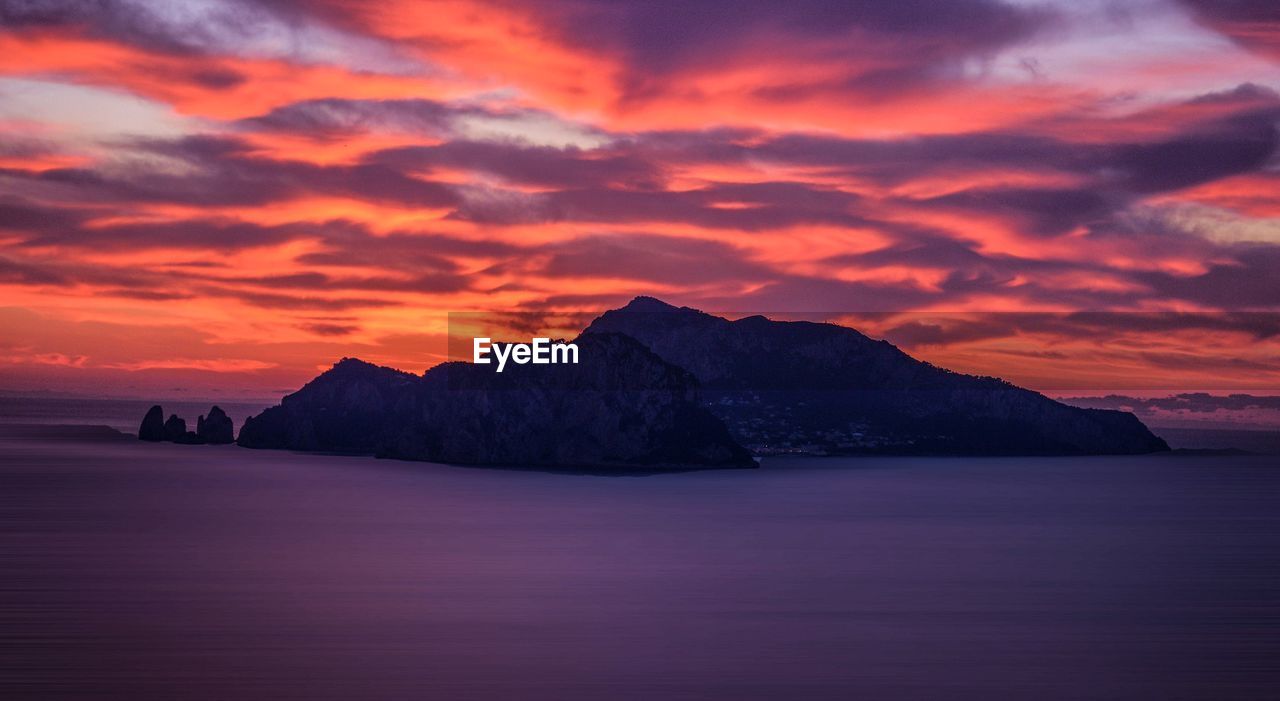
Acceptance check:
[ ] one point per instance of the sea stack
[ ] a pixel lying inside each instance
(175, 429)
(217, 429)
(152, 428)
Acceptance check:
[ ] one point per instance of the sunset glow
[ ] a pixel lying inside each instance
(222, 197)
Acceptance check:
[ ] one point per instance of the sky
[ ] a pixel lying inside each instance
(226, 196)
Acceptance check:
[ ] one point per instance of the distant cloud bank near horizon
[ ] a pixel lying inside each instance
(1192, 409)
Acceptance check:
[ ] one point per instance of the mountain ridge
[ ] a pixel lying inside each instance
(630, 409)
(825, 388)
(666, 386)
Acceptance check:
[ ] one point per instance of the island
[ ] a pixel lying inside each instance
(662, 387)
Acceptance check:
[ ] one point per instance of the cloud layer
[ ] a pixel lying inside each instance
(298, 181)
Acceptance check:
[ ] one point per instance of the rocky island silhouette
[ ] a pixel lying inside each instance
(665, 387)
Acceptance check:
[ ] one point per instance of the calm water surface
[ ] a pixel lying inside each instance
(137, 571)
(120, 414)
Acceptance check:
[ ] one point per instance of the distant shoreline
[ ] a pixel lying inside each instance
(1262, 442)
(123, 415)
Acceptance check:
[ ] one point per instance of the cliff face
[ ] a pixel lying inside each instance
(621, 406)
(822, 388)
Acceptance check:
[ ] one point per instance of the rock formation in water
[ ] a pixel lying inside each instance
(622, 406)
(216, 429)
(175, 429)
(152, 428)
(803, 387)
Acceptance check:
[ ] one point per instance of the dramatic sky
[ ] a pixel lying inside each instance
(222, 196)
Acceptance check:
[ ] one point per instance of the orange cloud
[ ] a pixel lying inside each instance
(216, 87)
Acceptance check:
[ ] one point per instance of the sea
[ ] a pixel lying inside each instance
(123, 415)
(159, 571)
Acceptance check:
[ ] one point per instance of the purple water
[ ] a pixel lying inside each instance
(121, 414)
(140, 571)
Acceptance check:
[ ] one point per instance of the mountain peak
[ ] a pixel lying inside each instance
(356, 369)
(645, 303)
(647, 311)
